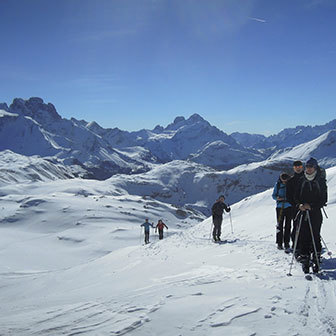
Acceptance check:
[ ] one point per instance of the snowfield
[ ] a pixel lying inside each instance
(72, 262)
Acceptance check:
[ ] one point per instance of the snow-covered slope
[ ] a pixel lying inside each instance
(322, 148)
(182, 182)
(16, 168)
(72, 263)
(289, 137)
(248, 140)
(221, 156)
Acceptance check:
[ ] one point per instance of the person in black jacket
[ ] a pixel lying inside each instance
(291, 186)
(217, 217)
(311, 195)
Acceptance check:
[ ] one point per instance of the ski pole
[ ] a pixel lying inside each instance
(212, 224)
(325, 245)
(312, 235)
(325, 213)
(231, 222)
(295, 244)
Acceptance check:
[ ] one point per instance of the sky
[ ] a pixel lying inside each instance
(254, 66)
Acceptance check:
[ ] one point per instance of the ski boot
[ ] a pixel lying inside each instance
(316, 268)
(287, 249)
(317, 262)
(305, 263)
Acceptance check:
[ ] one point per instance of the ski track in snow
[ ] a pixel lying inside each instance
(231, 314)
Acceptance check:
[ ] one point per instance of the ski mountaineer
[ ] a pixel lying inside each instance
(291, 186)
(311, 195)
(283, 212)
(217, 217)
(147, 226)
(160, 226)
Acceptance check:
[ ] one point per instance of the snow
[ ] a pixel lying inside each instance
(4, 113)
(72, 262)
(19, 168)
(72, 258)
(322, 148)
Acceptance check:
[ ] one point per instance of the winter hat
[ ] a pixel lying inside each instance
(284, 176)
(297, 163)
(221, 196)
(312, 163)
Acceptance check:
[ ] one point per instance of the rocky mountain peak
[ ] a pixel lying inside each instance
(36, 108)
(195, 118)
(178, 120)
(4, 106)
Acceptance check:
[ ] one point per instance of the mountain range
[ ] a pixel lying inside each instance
(186, 162)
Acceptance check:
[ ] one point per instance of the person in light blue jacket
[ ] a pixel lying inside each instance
(147, 226)
(283, 212)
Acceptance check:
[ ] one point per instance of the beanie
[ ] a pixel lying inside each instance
(297, 163)
(312, 162)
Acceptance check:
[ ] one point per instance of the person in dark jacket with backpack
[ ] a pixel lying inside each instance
(291, 186)
(283, 212)
(310, 196)
(217, 217)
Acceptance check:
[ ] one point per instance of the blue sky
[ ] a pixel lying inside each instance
(254, 66)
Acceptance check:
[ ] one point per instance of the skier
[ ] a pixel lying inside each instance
(147, 225)
(283, 212)
(160, 226)
(291, 185)
(310, 196)
(217, 216)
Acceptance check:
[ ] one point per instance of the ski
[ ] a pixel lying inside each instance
(226, 241)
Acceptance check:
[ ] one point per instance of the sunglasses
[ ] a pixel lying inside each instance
(309, 166)
(299, 166)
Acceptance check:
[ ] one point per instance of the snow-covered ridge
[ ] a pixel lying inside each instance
(16, 168)
(289, 137)
(32, 127)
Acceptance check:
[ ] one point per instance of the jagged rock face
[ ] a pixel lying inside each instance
(36, 109)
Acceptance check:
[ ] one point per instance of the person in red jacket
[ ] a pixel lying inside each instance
(159, 226)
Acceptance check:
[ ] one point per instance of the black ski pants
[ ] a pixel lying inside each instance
(283, 232)
(217, 229)
(160, 233)
(146, 237)
(306, 242)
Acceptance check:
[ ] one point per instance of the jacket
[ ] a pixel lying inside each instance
(314, 192)
(147, 225)
(291, 186)
(279, 190)
(218, 208)
(160, 226)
